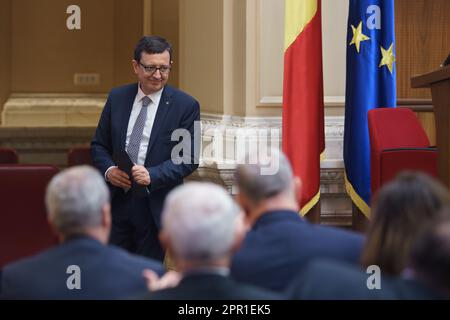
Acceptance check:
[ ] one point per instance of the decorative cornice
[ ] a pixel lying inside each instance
(332, 181)
(334, 127)
(28, 133)
(240, 122)
(45, 140)
(329, 101)
(28, 100)
(333, 124)
(50, 109)
(50, 145)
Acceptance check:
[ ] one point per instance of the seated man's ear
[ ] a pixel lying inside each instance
(106, 217)
(165, 240)
(243, 203)
(240, 232)
(297, 187)
(53, 228)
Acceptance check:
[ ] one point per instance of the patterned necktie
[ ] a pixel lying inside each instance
(136, 135)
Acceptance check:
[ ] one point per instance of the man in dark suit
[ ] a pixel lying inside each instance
(280, 242)
(82, 266)
(202, 226)
(336, 280)
(426, 277)
(141, 120)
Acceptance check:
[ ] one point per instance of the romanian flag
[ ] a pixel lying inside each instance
(370, 84)
(303, 118)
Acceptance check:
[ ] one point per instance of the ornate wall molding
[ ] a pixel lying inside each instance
(228, 128)
(47, 145)
(336, 208)
(52, 110)
(50, 145)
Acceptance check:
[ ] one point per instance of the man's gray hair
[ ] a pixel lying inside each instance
(75, 199)
(201, 220)
(257, 186)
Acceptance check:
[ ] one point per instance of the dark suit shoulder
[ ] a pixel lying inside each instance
(413, 289)
(256, 293)
(28, 262)
(328, 279)
(134, 260)
(281, 243)
(212, 287)
(106, 273)
(335, 233)
(83, 250)
(291, 229)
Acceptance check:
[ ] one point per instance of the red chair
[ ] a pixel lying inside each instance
(8, 155)
(24, 229)
(397, 143)
(79, 156)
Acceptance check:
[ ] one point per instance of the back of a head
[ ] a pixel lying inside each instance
(257, 183)
(201, 221)
(400, 211)
(75, 199)
(430, 258)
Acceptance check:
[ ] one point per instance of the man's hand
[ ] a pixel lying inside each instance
(140, 175)
(118, 178)
(168, 280)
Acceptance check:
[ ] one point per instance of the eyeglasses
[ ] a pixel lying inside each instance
(152, 69)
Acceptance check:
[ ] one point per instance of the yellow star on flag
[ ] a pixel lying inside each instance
(388, 58)
(358, 36)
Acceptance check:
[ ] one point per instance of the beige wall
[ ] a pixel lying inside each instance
(241, 60)
(213, 58)
(46, 54)
(165, 23)
(233, 66)
(264, 57)
(334, 38)
(269, 35)
(5, 53)
(201, 52)
(271, 47)
(234, 57)
(128, 21)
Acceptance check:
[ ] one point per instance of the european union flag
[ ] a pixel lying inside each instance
(371, 75)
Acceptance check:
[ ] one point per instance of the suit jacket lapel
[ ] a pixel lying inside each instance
(127, 105)
(161, 113)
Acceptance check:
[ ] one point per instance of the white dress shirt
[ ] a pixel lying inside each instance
(151, 114)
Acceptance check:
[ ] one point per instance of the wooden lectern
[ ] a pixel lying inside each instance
(439, 82)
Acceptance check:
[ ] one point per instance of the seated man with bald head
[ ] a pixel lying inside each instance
(82, 266)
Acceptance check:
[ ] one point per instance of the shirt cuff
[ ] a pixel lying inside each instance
(106, 172)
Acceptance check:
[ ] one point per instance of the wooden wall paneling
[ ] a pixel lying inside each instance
(428, 124)
(5, 51)
(422, 40)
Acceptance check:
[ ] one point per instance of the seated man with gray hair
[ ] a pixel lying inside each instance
(201, 227)
(82, 266)
(280, 242)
